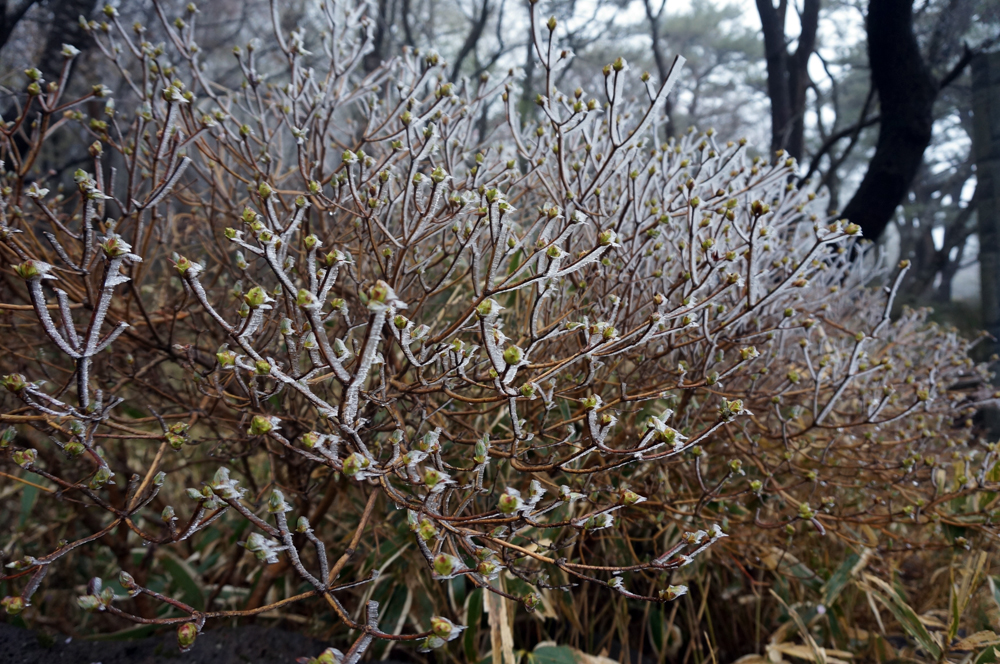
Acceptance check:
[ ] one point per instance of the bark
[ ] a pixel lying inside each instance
(798, 78)
(469, 45)
(662, 68)
(906, 91)
(407, 28)
(986, 148)
(10, 17)
(787, 74)
(772, 23)
(374, 58)
(64, 29)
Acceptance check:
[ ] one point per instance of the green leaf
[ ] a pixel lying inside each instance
(657, 631)
(458, 589)
(839, 580)
(394, 607)
(564, 409)
(994, 589)
(29, 495)
(552, 655)
(905, 614)
(471, 636)
(988, 656)
(183, 576)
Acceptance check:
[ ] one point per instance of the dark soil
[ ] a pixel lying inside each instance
(250, 644)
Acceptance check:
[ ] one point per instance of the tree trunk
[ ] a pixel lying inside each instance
(10, 17)
(469, 45)
(787, 73)
(986, 147)
(798, 79)
(906, 91)
(772, 23)
(662, 68)
(64, 29)
(374, 58)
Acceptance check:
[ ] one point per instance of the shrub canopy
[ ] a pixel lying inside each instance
(345, 321)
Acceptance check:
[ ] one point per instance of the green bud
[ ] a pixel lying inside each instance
(186, 634)
(259, 426)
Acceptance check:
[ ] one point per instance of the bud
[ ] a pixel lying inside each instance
(607, 238)
(510, 501)
(354, 464)
(259, 426)
(380, 292)
(186, 634)
(630, 498)
(488, 568)
(7, 437)
(127, 582)
(13, 605)
(89, 603)
(446, 565)
(482, 453)
(14, 382)
(226, 357)
(255, 297)
(672, 593)
(30, 269)
(426, 530)
(305, 299)
(276, 503)
(25, 458)
(182, 264)
(445, 629)
(513, 355)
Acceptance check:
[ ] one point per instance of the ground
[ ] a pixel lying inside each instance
(251, 644)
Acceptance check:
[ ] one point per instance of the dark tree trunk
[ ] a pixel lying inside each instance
(798, 78)
(10, 17)
(64, 29)
(772, 23)
(377, 54)
(906, 91)
(986, 148)
(662, 68)
(787, 74)
(469, 45)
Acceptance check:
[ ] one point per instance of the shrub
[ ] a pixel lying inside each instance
(335, 313)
